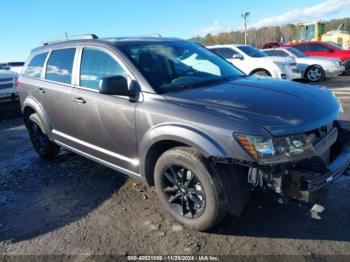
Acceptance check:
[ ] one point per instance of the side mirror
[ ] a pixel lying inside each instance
(237, 56)
(115, 85)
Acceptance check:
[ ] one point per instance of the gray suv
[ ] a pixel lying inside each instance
(175, 115)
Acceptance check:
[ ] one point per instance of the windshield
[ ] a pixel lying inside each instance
(251, 51)
(336, 46)
(296, 52)
(171, 66)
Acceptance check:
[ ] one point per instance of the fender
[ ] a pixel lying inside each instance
(185, 134)
(39, 117)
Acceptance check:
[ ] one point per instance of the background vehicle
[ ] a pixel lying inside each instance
(177, 116)
(8, 84)
(312, 68)
(13, 66)
(254, 62)
(273, 44)
(325, 49)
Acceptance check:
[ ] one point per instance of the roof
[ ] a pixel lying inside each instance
(115, 41)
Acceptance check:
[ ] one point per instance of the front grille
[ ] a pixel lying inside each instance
(6, 79)
(295, 70)
(293, 64)
(4, 86)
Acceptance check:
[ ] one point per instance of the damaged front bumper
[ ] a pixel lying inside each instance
(306, 180)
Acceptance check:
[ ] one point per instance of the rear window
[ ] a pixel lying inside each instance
(60, 65)
(226, 53)
(35, 66)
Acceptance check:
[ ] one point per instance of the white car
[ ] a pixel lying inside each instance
(8, 84)
(252, 61)
(313, 68)
(13, 66)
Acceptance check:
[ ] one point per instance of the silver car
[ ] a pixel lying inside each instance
(8, 84)
(313, 68)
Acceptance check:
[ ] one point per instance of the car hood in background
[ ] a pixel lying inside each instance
(286, 60)
(7, 74)
(281, 107)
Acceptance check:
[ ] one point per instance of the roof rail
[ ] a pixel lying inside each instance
(72, 37)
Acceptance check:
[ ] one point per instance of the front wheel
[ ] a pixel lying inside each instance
(189, 189)
(263, 73)
(347, 68)
(41, 143)
(314, 74)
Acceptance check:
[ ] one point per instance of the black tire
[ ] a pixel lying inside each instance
(314, 73)
(261, 72)
(347, 68)
(204, 204)
(45, 148)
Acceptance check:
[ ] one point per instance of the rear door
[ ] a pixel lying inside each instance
(104, 124)
(55, 91)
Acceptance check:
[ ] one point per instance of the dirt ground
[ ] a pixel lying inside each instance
(73, 206)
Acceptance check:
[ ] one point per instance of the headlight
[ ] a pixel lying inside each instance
(276, 150)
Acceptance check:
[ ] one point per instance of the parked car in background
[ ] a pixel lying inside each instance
(252, 61)
(8, 84)
(325, 49)
(13, 66)
(312, 68)
(273, 44)
(175, 115)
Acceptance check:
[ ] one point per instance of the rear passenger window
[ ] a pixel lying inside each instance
(35, 66)
(60, 64)
(95, 65)
(302, 47)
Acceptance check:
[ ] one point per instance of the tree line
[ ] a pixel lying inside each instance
(258, 36)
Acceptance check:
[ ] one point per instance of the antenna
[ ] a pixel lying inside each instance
(66, 35)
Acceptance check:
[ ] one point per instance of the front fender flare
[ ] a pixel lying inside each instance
(184, 134)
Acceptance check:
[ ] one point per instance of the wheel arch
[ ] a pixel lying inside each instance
(313, 65)
(260, 69)
(162, 138)
(31, 108)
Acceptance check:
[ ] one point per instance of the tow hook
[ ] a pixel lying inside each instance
(316, 211)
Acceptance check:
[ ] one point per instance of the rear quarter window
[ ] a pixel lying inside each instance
(60, 65)
(35, 66)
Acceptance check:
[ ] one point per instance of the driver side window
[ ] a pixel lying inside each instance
(95, 65)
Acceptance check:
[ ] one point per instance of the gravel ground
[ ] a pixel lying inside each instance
(73, 206)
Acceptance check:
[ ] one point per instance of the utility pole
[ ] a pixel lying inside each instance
(245, 15)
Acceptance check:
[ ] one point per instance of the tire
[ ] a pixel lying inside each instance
(201, 204)
(45, 148)
(347, 68)
(261, 73)
(314, 73)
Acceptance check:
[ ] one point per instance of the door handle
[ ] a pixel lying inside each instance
(40, 90)
(80, 100)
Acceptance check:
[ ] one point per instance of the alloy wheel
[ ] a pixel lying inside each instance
(37, 137)
(184, 191)
(314, 74)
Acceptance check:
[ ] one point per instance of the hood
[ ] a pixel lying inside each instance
(7, 74)
(280, 107)
(286, 60)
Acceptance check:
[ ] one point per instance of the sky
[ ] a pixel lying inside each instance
(24, 24)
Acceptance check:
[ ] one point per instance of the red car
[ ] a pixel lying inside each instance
(325, 49)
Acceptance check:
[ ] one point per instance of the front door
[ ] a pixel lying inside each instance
(105, 124)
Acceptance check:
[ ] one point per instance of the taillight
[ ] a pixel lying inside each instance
(16, 82)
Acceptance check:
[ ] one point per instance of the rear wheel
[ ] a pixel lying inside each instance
(314, 74)
(41, 143)
(189, 189)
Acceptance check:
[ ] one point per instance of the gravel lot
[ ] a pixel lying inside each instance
(74, 206)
